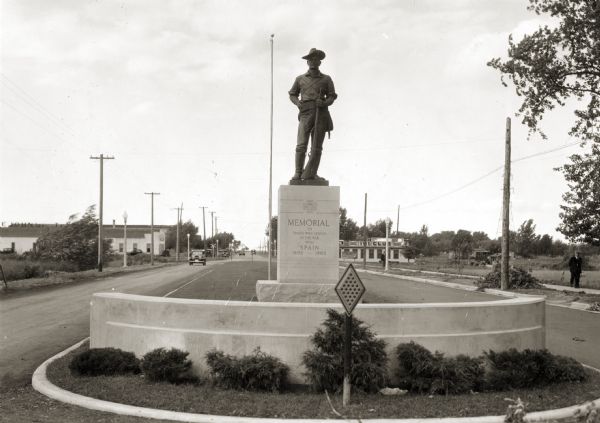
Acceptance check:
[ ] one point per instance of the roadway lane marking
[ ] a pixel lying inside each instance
(187, 283)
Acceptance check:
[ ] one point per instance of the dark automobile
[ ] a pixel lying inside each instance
(197, 256)
(134, 252)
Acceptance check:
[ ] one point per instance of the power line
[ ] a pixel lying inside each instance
(468, 184)
(32, 102)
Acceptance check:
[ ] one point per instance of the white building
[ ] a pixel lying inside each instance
(22, 238)
(354, 250)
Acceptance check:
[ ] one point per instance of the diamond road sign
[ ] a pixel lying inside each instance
(350, 289)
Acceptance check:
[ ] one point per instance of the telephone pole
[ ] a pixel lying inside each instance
(504, 268)
(102, 157)
(152, 194)
(203, 227)
(365, 236)
(179, 211)
(212, 221)
(398, 220)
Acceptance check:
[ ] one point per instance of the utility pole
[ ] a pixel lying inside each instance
(100, 235)
(216, 227)
(212, 227)
(203, 227)
(398, 220)
(125, 239)
(365, 235)
(179, 211)
(152, 194)
(504, 273)
(388, 224)
(271, 169)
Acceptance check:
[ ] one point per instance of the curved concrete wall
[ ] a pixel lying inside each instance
(140, 323)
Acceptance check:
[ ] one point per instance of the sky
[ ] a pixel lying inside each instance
(179, 93)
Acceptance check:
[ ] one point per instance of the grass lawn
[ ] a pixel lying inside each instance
(541, 268)
(299, 403)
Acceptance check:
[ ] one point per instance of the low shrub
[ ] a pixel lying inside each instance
(161, 365)
(104, 362)
(512, 369)
(255, 372)
(423, 372)
(518, 278)
(325, 363)
(18, 268)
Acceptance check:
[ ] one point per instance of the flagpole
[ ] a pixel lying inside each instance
(271, 169)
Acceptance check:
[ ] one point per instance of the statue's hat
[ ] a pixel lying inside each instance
(319, 54)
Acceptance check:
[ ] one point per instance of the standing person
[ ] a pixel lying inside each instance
(383, 260)
(313, 92)
(575, 264)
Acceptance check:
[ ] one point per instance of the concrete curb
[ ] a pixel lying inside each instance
(41, 384)
(574, 305)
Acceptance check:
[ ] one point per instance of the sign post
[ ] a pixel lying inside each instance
(350, 290)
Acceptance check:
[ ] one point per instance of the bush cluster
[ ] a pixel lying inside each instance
(423, 372)
(325, 363)
(513, 369)
(104, 362)
(19, 268)
(518, 278)
(255, 372)
(161, 365)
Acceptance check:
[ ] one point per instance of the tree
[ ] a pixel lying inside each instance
(555, 64)
(442, 242)
(462, 243)
(526, 239)
(76, 242)
(273, 228)
(223, 238)
(559, 248)
(185, 228)
(420, 240)
(480, 238)
(348, 227)
(545, 245)
(581, 214)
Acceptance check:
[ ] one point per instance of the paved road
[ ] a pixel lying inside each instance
(37, 324)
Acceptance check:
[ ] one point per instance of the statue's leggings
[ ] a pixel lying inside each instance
(305, 132)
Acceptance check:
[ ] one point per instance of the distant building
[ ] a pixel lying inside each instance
(23, 238)
(354, 250)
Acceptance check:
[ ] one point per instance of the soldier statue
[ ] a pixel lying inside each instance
(313, 92)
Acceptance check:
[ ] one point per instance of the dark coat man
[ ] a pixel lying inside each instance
(575, 264)
(313, 92)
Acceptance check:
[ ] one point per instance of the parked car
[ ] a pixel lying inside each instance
(134, 252)
(242, 253)
(197, 256)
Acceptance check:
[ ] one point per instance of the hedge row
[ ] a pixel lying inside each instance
(419, 370)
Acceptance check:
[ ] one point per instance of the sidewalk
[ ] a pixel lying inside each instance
(571, 289)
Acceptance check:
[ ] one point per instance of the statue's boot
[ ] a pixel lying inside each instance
(310, 171)
(300, 157)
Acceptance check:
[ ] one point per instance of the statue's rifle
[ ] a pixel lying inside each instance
(317, 115)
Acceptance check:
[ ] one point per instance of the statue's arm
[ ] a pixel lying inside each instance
(295, 93)
(330, 96)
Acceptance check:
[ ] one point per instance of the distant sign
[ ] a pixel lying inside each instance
(350, 289)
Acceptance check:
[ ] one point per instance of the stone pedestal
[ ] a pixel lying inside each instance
(307, 246)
